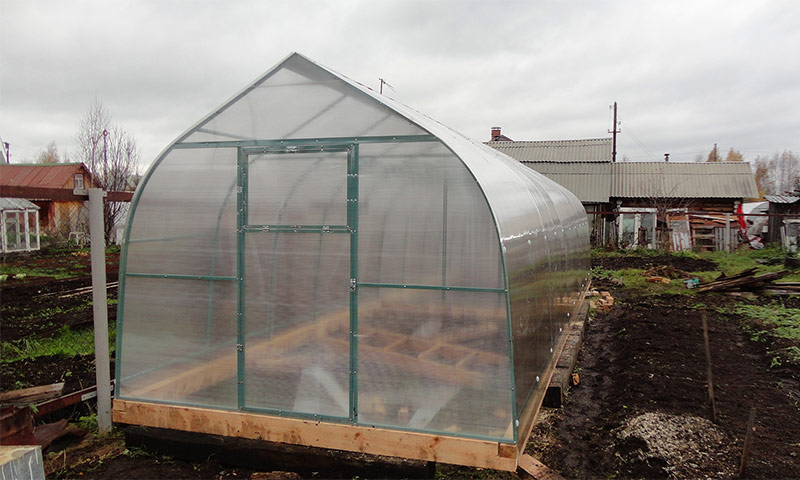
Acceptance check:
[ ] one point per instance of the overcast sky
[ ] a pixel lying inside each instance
(686, 74)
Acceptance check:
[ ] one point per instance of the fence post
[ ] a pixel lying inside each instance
(100, 301)
(727, 232)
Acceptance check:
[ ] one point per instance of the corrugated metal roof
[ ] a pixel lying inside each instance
(589, 181)
(585, 150)
(781, 198)
(16, 204)
(41, 176)
(683, 180)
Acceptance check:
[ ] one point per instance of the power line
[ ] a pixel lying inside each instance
(641, 145)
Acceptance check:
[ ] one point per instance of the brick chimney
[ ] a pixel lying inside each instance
(495, 134)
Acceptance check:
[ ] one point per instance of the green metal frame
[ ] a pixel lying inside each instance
(287, 146)
(432, 287)
(352, 221)
(324, 144)
(241, 221)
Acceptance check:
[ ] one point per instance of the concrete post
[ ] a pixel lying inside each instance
(99, 298)
(728, 232)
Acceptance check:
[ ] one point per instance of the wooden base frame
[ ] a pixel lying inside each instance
(347, 437)
(352, 438)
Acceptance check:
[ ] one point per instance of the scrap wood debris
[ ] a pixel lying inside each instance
(747, 280)
(666, 271)
(604, 302)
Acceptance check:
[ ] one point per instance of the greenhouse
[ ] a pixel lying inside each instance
(315, 263)
(19, 223)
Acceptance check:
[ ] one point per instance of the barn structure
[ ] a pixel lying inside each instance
(317, 264)
(62, 215)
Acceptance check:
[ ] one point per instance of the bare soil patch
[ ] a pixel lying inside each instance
(643, 381)
(641, 262)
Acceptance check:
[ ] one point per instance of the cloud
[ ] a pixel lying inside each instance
(686, 75)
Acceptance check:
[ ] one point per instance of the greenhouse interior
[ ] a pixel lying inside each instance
(316, 251)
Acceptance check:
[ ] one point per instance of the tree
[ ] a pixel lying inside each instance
(111, 155)
(734, 156)
(49, 155)
(778, 174)
(713, 156)
(762, 178)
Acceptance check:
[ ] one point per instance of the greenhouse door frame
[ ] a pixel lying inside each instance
(350, 228)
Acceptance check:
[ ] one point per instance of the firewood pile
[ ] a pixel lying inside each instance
(748, 281)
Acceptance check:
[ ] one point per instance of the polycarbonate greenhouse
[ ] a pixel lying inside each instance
(315, 263)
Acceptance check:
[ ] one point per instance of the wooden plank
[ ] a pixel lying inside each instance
(352, 438)
(188, 381)
(537, 469)
(16, 426)
(50, 406)
(748, 442)
(709, 373)
(562, 376)
(31, 395)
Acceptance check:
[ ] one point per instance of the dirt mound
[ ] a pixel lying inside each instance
(659, 444)
(687, 264)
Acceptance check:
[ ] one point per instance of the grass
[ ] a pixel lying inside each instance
(735, 262)
(633, 280)
(773, 322)
(66, 342)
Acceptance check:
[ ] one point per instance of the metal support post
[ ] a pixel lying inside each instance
(100, 301)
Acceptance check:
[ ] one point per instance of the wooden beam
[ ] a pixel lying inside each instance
(351, 438)
(24, 396)
(537, 469)
(57, 194)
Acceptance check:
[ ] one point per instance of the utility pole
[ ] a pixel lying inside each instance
(614, 133)
(386, 83)
(714, 158)
(7, 149)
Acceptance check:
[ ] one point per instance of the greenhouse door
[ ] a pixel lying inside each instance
(297, 233)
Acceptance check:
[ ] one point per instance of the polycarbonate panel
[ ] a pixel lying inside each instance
(297, 189)
(33, 228)
(434, 361)
(300, 100)
(420, 215)
(185, 219)
(297, 322)
(179, 341)
(452, 212)
(13, 231)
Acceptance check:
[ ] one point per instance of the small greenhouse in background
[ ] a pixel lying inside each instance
(19, 224)
(315, 263)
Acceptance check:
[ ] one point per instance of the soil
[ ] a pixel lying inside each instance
(641, 409)
(641, 262)
(37, 307)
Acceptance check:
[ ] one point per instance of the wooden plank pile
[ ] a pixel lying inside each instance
(16, 417)
(748, 281)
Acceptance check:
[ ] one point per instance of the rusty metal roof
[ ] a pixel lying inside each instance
(781, 198)
(683, 180)
(589, 181)
(41, 176)
(585, 150)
